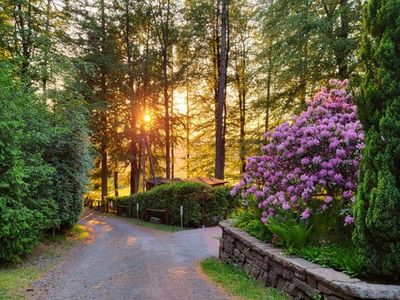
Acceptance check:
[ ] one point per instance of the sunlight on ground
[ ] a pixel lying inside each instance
(131, 241)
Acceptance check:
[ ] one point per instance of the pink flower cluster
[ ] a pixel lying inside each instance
(311, 162)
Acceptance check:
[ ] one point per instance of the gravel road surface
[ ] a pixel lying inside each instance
(126, 261)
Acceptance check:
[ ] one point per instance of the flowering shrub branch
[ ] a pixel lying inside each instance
(310, 163)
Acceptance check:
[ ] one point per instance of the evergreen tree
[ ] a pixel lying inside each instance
(377, 232)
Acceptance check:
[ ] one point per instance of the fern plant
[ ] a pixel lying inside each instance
(289, 232)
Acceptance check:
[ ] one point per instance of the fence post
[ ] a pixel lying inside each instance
(181, 216)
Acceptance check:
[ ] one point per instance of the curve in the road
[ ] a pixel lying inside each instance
(125, 261)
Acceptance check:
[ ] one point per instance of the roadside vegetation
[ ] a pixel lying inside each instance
(15, 279)
(236, 282)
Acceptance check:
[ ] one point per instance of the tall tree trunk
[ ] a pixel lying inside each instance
(165, 44)
(269, 79)
(104, 142)
(242, 109)
(343, 51)
(221, 101)
(216, 54)
(187, 128)
(166, 115)
(46, 51)
(134, 174)
(172, 120)
(116, 183)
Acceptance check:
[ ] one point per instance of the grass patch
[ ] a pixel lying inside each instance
(161, 227)
(236, 282)
(79, 232)
(15, 279)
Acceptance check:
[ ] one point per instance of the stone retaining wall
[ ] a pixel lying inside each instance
(297, 277)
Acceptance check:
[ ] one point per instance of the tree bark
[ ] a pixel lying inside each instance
(104, 142)
(134, 174)
(343, 52)
(187, 127)
(221, 100)
(116, 184)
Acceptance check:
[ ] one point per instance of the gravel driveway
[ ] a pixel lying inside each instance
(125, 261)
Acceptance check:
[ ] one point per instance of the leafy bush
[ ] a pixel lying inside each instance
(217, 202)
(20, 229)
(43, 165)
(248, 218)
(123, 200)
(69, 154)
(220, 205)
(172, 196)
(309, 164)
(377, 230)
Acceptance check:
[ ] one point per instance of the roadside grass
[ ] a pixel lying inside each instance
(15, 279)
(161, 227)
(236, 282)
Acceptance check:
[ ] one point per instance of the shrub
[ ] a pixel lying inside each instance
(217, 202)
(248, 218)
(172, 196)
(43, 164)
(123, 200)
(310, 164)
(20, 229)
(377, 217)
(220, 205)
(69, 154)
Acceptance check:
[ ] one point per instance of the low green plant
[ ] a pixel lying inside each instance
(340, 257)
(289, 232)
(248, 219)
(237, 282)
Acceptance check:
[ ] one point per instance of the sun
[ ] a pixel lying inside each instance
(147, 118)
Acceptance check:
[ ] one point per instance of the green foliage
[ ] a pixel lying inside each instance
(328, 227)
(339, 257)
(220, 205)
(172, 196)
(237, 282)
(249, 219)
(69, 155)
(124, 200)
(43, 165)
(289, 232)
(377, 231)
(217, 202)
(20, 228)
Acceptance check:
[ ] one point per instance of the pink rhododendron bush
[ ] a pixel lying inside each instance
(309, 165)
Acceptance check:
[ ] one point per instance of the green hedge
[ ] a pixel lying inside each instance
(124, 200)
(217, 202)
(20, 228)
(44, 161)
